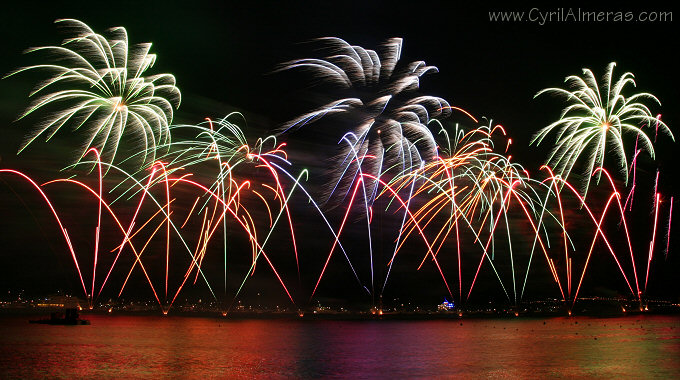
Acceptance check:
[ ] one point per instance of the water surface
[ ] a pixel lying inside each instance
(192, 347)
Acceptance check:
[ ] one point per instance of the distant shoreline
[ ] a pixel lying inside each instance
(354, 316)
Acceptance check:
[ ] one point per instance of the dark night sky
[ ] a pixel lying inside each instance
(223, 55)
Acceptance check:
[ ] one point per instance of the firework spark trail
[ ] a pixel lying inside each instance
(56, 216)
(388, 190)
(126, 236)
(554, 179)
(566, 248)
(271, 229)
(599, 232)
(668, 234)
(99, 224)
(337, 237)
(284, 207)
(512, 261)
(544, 209)
(622, 211)
(200, 254)
(401, 230)
(192, 153)
(592, 246)
(318, 209)
(568, 261)
(161, 207)
(366, 178)
(656, 127)
(366, 206)
(444, 167)
(118, 223)
(253, 238)
(651, 243)
(492, 230)
(138, 259)
(633, 167)
(540, 241)
(227, 146)
(251, 234)
(167, 222)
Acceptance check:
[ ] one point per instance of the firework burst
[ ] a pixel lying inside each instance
(595, 117)
(98, 83)
(469, 188)
(387, 119)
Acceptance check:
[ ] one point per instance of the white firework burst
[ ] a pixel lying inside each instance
(595, 117)
(386, 120)
(98, 83)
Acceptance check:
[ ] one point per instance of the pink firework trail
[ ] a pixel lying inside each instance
(651, 243)
(668, 234)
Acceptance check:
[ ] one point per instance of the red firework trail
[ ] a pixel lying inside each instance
(651, 243)
(668, 234)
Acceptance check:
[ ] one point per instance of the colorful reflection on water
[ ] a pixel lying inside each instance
(189, 347)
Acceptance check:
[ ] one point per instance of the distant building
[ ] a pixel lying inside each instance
(60, 301)
(446, 306)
